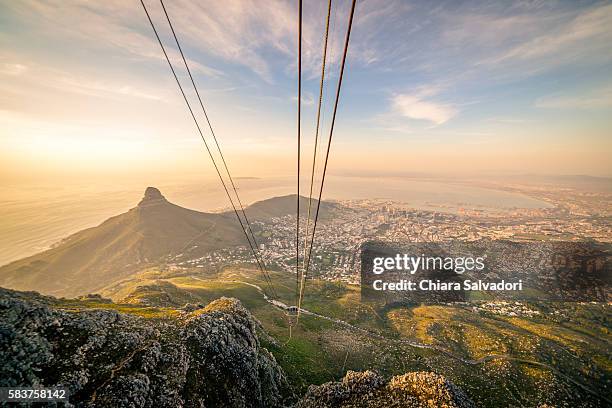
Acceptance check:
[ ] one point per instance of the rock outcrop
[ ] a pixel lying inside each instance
(151, 196)
(209, 357)
(368, 389)
(161, 294)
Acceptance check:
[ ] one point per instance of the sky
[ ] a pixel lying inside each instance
(430, 87)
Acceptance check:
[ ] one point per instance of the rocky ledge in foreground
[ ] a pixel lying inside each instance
(368, 389)
(196, 357)
(208, 357)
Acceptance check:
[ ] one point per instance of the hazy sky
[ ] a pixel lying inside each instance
(451, 86)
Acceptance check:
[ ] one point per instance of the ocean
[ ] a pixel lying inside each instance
(32, 218)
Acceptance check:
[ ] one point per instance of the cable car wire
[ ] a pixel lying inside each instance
(331, 132)
(268, 280)
(299, 141)
(246, 219)
(314, 154)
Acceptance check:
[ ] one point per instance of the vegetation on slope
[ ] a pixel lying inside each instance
(560, 355)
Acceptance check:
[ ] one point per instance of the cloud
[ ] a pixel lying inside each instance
(12, 69)
(260, 36)
(112, 24)
(375, 22)
(388, 34)
(307, 99)
(584, 34)
(102, 89)
(598, 99)
(25, 75)
(414, 107)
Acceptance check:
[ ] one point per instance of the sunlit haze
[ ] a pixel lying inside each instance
(465, 87)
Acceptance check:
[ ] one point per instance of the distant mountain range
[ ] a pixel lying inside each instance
(95, 257)
(286, 205)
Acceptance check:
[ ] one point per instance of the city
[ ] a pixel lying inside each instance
(572, 217)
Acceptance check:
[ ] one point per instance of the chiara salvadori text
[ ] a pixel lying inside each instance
(437, 285)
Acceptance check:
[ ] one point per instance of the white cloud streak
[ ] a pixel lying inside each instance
(598, 99)
(589, 30)
(413, 107)
(111, 24)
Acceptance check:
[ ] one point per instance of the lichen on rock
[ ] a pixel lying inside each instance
(369, 389)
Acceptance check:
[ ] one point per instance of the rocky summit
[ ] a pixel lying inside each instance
(152, 195)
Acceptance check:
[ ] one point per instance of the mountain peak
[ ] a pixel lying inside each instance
(151, 195)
